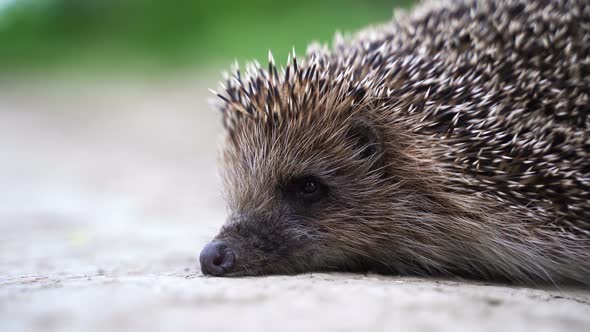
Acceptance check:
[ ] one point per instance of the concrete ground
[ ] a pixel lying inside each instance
(108, 192)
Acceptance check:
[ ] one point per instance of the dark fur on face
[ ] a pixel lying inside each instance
(453, 141)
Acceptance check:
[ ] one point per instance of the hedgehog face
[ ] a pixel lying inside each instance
(301, 193)
(318, 174)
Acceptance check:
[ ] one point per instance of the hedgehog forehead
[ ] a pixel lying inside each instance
(264, 156)
(288, 143)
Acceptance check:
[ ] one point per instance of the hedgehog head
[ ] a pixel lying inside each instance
(307, 173)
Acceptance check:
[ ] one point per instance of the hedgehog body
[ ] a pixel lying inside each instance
(454, 140)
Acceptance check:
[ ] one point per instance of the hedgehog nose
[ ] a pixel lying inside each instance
(216, 258)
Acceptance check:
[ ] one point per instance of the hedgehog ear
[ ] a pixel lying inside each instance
(366, 140)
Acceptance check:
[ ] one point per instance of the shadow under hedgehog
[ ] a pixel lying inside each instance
(452, 141)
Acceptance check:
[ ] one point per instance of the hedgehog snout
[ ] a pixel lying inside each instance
(217, 258)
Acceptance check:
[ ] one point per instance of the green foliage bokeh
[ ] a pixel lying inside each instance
(170, 34)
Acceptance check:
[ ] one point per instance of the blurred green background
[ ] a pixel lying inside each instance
(169, 36)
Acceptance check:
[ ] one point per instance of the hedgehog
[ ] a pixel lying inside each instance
(451, 142)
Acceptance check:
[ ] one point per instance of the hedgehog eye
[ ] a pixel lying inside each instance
(306, 188)
(309, 187)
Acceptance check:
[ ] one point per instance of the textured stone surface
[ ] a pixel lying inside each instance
(110, 190)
